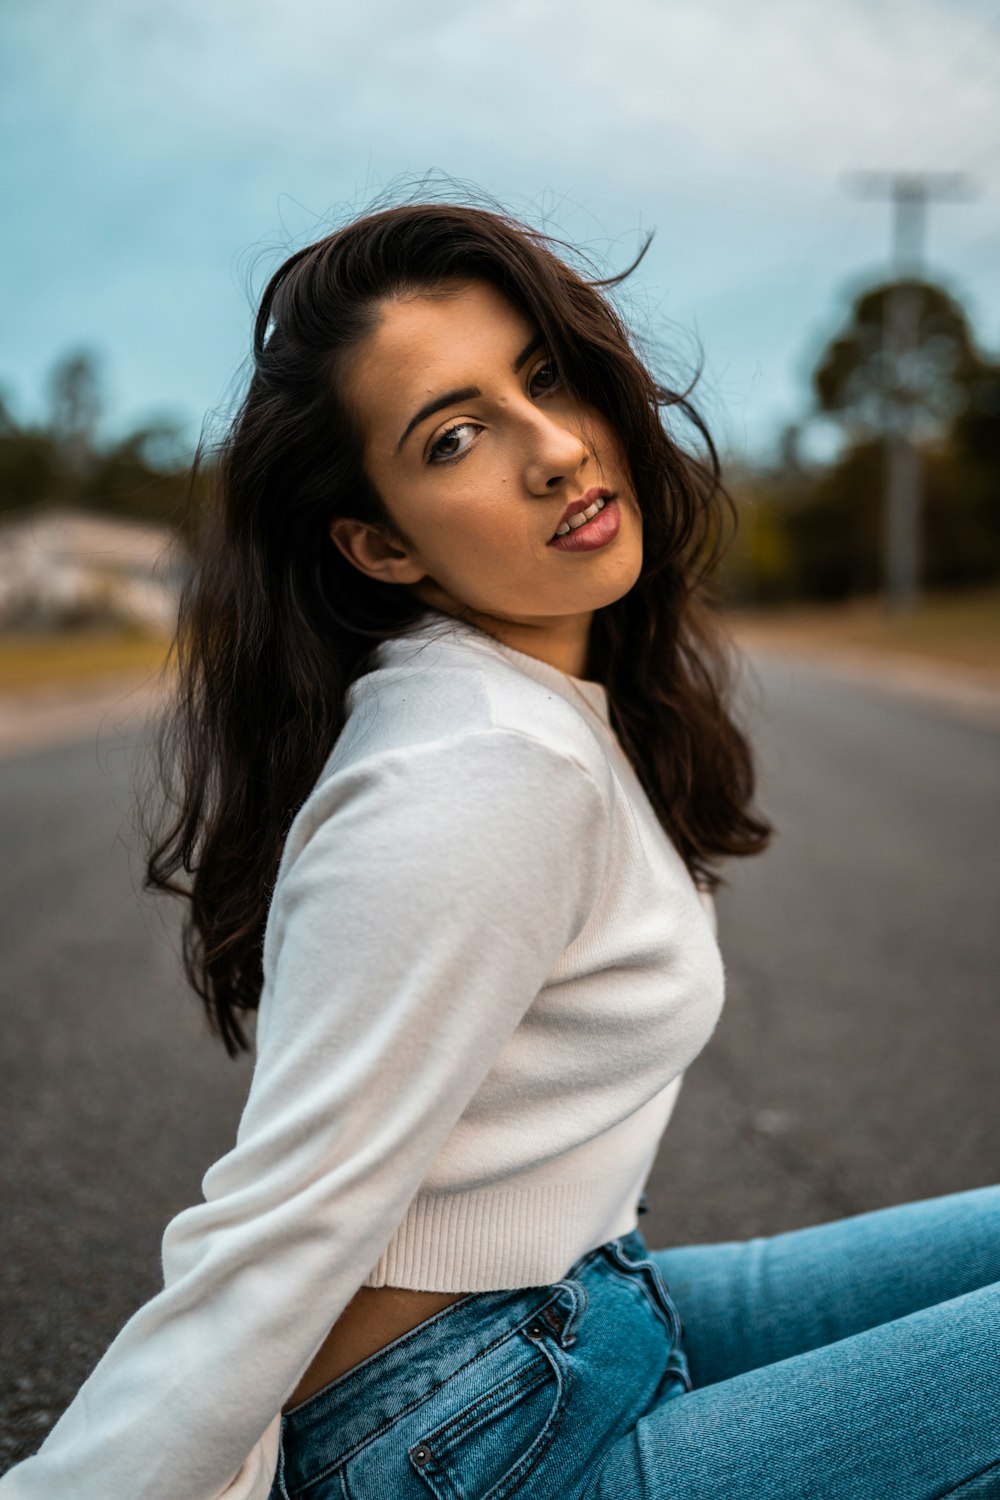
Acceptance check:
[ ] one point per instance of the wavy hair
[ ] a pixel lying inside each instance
(275, 623)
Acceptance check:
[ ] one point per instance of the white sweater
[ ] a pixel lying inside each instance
(486, 968)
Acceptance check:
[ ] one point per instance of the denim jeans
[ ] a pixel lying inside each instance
(858, 1358)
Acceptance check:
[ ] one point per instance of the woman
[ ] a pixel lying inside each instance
(457, 766)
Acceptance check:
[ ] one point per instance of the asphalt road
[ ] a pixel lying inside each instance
(855, 1065)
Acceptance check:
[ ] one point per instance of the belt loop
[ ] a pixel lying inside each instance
(577, 1305)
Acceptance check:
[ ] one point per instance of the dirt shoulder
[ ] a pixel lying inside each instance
(56, 688)
(952, 630)
(70, 660)
(947, 651)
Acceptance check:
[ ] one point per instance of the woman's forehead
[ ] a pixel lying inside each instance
(429, 325)
(424, 344)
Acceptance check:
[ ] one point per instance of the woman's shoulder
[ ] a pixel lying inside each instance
(444, 690)
(441, 762)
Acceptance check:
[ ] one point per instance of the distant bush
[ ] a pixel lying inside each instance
(63, 462)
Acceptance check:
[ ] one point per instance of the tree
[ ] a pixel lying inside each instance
(905, 369)
(75, 404)
(814, 530)
(858, 382)
(144, 475)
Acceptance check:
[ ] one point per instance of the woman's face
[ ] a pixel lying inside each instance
(477, 449)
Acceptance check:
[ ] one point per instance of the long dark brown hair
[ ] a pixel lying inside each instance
(275, 623)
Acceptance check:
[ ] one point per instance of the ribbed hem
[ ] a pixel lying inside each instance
(524, 1233)
(490, 1240)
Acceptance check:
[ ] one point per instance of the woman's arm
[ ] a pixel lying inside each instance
(425, 895)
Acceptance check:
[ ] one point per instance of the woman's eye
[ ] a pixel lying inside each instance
(449, 444)
(546, 377)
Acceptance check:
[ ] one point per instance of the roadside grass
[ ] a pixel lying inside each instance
(67, 659)
(960, 629)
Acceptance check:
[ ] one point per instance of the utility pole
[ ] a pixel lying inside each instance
(910, 193)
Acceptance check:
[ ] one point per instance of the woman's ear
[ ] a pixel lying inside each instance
(369, 549)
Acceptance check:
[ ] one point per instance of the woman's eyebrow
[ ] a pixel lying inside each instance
(466, 393)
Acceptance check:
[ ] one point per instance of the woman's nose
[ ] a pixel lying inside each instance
(556, 453)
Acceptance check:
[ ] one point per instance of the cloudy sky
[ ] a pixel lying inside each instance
(160, 160)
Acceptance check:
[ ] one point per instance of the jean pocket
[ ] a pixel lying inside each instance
(503, 1412)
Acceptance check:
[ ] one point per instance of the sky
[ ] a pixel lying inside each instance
(159, 161)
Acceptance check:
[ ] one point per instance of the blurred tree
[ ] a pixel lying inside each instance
(760, 567)
(832, 525)
(145, 475)
(29, 465)
(75, 404)
(124, 479)
(976, 432)
(812, 531)
(857, 382)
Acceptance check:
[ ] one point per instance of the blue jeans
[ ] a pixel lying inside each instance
(854, 1360)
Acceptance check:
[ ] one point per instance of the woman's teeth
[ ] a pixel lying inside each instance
(581, 518)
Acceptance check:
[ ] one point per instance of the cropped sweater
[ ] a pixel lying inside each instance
(486, 968)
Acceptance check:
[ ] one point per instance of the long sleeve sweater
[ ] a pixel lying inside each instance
(486, 968)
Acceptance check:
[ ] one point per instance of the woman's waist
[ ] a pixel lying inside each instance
(463, 1246)
(374, 1318)
(494, 1368)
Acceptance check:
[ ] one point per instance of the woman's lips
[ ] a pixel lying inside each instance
(596, 532)
(583, 502)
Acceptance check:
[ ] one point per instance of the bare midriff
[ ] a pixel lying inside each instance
(374, 1317)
